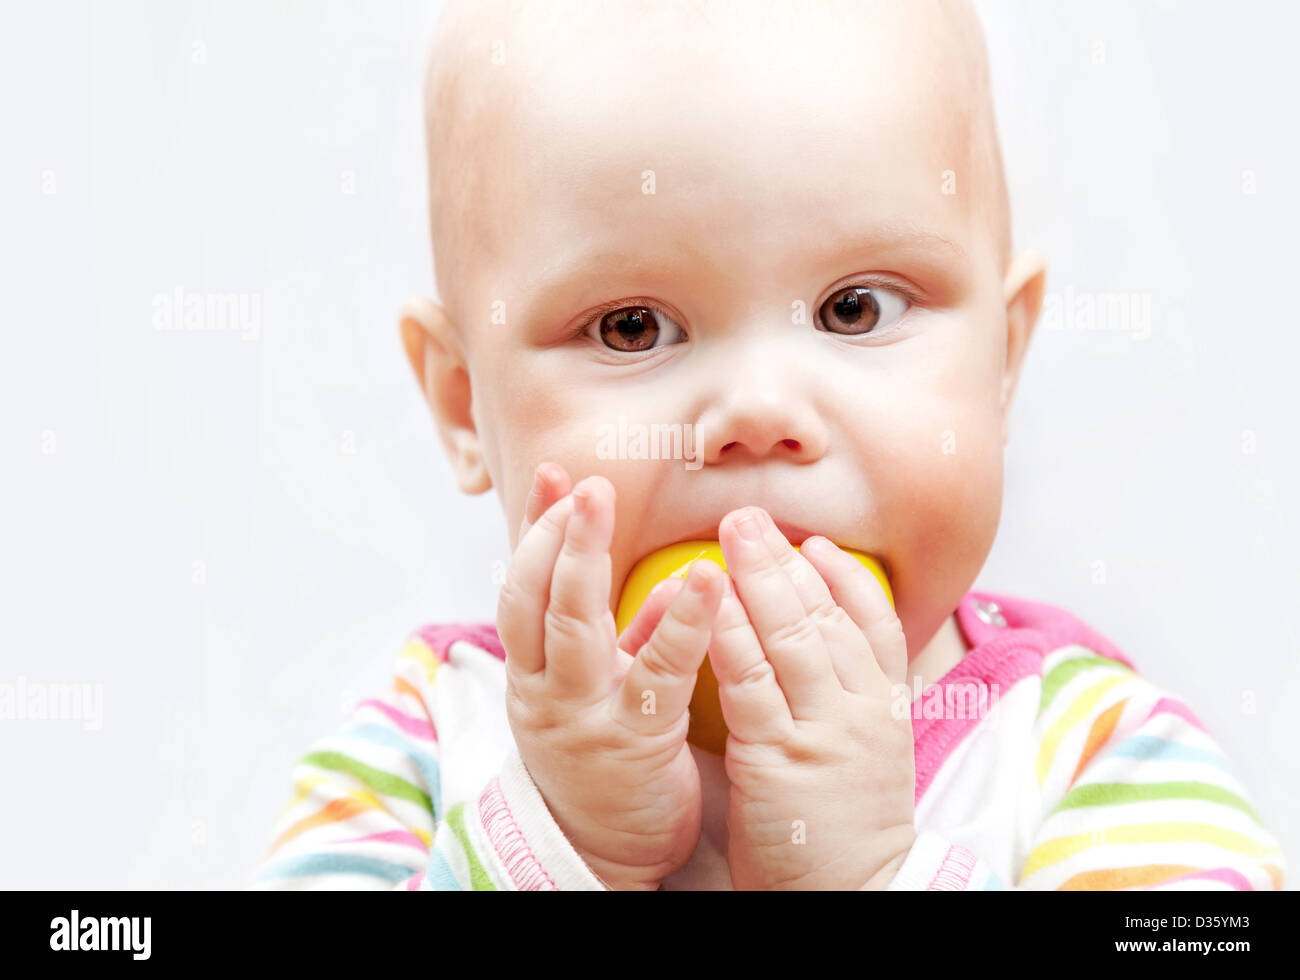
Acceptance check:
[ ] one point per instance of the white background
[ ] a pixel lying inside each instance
(207, 147)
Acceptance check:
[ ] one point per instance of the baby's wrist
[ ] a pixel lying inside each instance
(887, 872)
(615, 877)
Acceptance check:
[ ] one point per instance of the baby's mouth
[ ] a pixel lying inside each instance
(794, 533)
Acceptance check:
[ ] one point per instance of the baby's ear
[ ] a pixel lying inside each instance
(436, 357)
(1023, 290)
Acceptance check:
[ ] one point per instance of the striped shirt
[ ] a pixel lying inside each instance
(1043, 761)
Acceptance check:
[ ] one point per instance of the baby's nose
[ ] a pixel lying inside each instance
(753, 418)
(757, 392)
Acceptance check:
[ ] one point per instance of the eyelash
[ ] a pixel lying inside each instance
(599, 312)
(595, 316)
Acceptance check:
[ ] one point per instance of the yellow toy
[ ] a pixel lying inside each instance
(708, 730)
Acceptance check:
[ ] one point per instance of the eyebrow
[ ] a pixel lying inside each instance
(897, 235)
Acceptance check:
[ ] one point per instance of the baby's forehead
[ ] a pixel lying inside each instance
(883, 105)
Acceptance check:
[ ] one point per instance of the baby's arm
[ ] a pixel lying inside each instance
(367, 812)
(1143, 799)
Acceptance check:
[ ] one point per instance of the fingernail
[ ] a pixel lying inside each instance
(698, 581)
(748, 528)
(818, 544)
(579, 502)
(537, 480)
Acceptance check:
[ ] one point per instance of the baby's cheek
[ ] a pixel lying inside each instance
(941, 504)
(557, 422)
(956, 502)
(517, 427)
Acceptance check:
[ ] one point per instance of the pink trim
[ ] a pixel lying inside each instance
(508, 841)
(414, 882)
(955, 870)
(1052, 626)
(412, 726)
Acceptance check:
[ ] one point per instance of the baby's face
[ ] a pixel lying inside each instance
(775, 236)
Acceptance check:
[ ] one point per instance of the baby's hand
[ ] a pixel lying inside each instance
(822, 774)
(600, 721)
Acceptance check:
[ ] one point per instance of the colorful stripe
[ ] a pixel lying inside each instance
(1098, 735)
(1053, 851)
(1070, 718)
(412, 726)
(1105, 794)
(1067, 670)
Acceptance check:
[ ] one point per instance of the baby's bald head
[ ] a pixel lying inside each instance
(500, 69)
(780, 223)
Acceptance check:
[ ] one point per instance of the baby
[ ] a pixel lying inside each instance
(783, 227)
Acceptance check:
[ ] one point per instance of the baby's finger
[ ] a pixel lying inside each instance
(637, 632)
(657, 689)
(522, 601)
(794, 644)
(550, 483)
(581, 639)
(844, 639)
(863, 597)
(753, 704)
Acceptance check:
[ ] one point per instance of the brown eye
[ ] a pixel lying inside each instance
(859, 310)
(634, 328)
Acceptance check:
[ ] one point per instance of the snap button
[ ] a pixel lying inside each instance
(989, 613)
